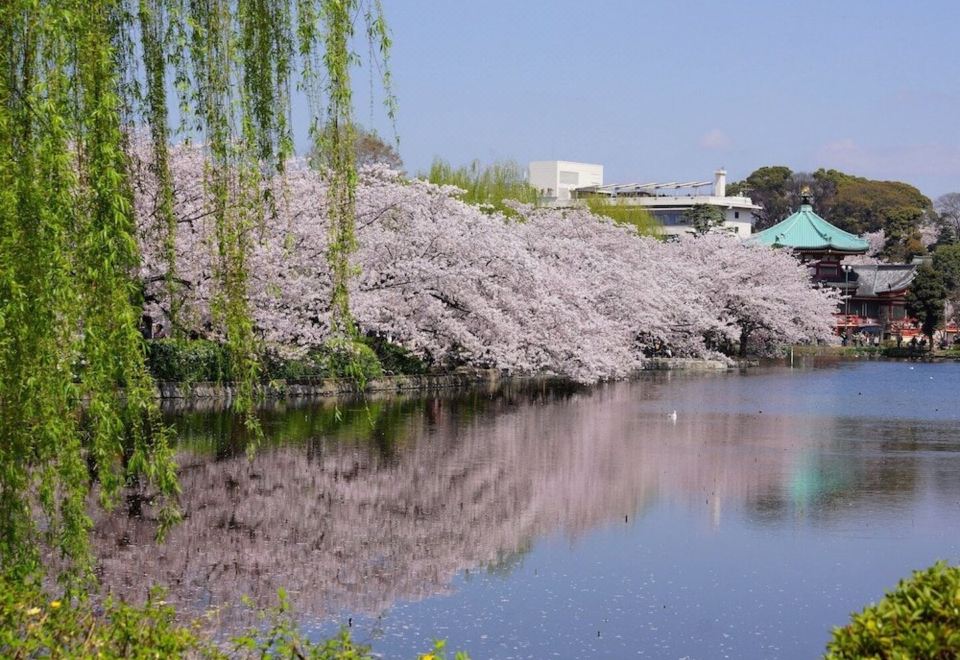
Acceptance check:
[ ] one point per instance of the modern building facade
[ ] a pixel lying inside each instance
(555, 180)
(566, 183)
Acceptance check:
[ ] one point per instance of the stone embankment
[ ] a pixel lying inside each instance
(685, 364)
(462, 378)
(323, 387)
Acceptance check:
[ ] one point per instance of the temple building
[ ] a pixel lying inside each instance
(876, 301)
(874, 295)
(818, 243)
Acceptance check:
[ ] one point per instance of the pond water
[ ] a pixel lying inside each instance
(544, 521)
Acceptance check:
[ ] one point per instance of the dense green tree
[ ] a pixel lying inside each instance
(946, 261)
(769, 187)
(925, 300)
(703, 218)
(862, 205)
(780, 191)
(852, 203)
(902, 234)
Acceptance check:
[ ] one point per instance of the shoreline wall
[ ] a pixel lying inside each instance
(330, 387)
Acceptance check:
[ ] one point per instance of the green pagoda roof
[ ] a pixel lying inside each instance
(805, 230)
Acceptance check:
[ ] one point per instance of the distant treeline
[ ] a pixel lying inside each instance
(852, 203)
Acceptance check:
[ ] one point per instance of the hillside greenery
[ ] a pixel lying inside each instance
(852, 203)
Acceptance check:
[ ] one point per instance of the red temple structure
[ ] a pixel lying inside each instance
(874, 295)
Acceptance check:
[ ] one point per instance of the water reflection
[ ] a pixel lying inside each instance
(397, 497)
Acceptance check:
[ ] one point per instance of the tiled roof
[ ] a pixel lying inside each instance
(876, 279)
(805, 230)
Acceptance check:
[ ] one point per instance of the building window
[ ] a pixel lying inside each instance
(669, 218)
(828, 271)
(736, 215)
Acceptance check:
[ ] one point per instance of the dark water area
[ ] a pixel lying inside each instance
(543, 520)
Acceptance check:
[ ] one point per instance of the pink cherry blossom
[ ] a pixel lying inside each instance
(550, 291)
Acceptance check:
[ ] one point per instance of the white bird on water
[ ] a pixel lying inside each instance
(673, 416)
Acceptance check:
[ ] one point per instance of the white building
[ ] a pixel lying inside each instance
(667, 202)
(555, 180)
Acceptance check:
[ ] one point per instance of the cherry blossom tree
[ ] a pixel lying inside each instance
(556, 291)
(757, 298)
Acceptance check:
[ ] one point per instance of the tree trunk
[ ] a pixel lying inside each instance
(744, 337)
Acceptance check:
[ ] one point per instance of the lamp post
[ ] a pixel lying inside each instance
(846, 289)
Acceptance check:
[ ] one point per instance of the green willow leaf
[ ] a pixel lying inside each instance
(79, 81)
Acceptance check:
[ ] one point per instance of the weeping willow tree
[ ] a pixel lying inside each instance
(489, 186)
(624, 213)
(79, 77)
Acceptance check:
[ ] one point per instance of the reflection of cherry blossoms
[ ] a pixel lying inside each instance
(446, 485)
(343, 525)
(553, 291)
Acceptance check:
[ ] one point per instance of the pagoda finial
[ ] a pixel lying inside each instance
(806, 196)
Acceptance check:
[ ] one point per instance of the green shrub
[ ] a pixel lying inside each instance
(395, 359)
(34, 626)
(349, 359)
(281, 637)
(188, 361)
(905, 351)
(199, 360)
(918, 619)
(276, 367)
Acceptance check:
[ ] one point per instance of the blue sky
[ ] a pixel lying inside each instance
(671, 90)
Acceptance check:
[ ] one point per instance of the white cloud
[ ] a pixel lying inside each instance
(715, 139)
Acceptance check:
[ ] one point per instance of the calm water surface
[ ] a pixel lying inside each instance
(546, 521)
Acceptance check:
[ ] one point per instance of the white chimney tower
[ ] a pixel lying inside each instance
(720, 183)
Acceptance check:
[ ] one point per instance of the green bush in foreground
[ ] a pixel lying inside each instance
(188, 361)
(395, 359)
(32, 625)
(201, 360)
(350, 359)
(918, 619)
